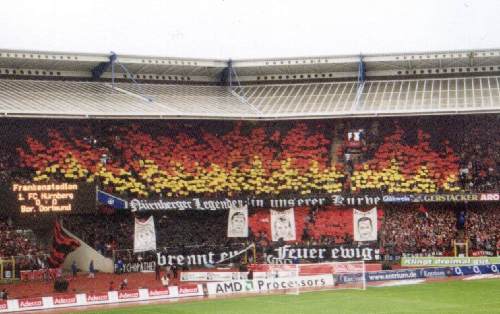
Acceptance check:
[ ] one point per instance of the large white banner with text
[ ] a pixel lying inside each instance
(268, 284)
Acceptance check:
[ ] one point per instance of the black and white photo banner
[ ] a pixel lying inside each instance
(283, 225)
(365, 225)
(144, 235)
(237, 222)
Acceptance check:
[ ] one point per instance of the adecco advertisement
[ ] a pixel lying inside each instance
(448, 261)
(82, 299)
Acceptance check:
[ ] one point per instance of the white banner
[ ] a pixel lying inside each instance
(262, 285)
(365, 225)
(144, 235)
(212, 276)
(283, 225)
(237, 222)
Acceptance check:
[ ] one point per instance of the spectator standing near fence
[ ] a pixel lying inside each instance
(119, 266)
(4, 295)
(124, 284)
(164, 281)
(157, 271)
(91, 269)
(74, 269)
(174, 271)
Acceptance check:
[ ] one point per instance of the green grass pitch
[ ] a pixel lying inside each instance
(477, 296)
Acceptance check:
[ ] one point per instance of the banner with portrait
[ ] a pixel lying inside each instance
(365, 225)
(237, 222)
(144, 235)
(283, 225)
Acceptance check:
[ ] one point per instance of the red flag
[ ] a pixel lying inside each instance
(62, 245)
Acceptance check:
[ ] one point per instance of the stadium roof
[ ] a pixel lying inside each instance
(71, 85)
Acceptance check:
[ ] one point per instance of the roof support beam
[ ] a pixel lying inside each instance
(228, 77)
(102, 67)
(361, 83)
(361, 69)
(129, 75)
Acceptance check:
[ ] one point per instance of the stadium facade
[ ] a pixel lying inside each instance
(73, 85)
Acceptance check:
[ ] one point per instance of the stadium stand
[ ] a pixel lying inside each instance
(22, 246)
(182, 160)
(287, 128)
(409, 230)
(482, 229)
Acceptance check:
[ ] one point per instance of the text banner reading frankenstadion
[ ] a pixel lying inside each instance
(48, 197)
(449, 261)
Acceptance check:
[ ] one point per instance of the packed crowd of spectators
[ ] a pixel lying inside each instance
(432, 231)
(328, 225)
(423, 155)
(7, 163)
(193, 230)
(15, 242)
(479, 159)
(178, 159)
(483, 229)
(20, 245)
(412, 230)
(105, 233)
(174, 229)
(402, 230)
(224, 159)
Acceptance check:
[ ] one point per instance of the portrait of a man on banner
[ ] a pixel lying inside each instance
(237, 222)
(144, 235)
(283, 225)
(365, 225)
